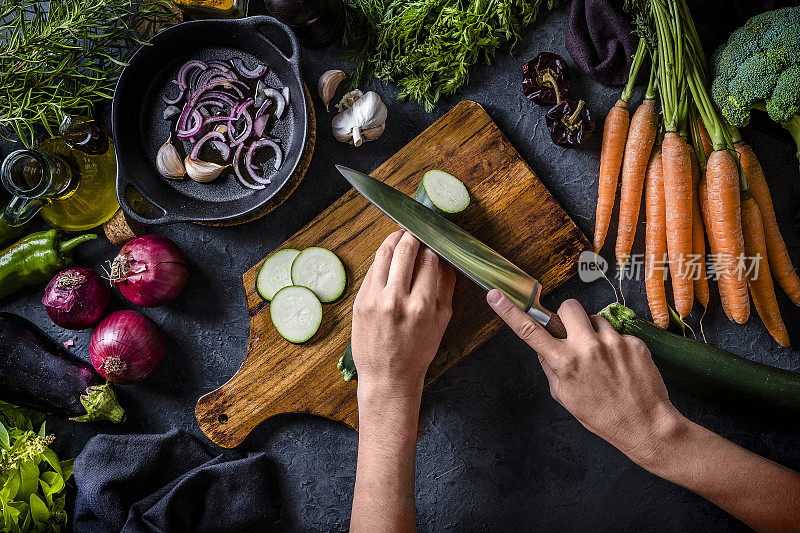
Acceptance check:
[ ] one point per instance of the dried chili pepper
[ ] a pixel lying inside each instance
(546, 79)
(570, 123)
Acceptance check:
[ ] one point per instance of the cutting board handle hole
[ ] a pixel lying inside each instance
(222, 419)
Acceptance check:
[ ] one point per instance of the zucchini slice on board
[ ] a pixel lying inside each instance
(296, 313)
(443, 193)
(276, 272)
(321, 271)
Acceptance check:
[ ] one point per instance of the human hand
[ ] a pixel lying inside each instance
(400, 314)
(606, 380)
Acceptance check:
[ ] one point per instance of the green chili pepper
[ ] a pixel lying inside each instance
(36, 259)
(9, 233)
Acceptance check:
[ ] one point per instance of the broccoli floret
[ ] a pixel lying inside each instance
(759, 68)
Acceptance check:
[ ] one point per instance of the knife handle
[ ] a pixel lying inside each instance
(551, 321)
(555, 327)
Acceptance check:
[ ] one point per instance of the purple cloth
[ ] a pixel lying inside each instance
(600, 40)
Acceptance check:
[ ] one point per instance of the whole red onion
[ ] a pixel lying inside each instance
(76, 298)
(150, 271)
(127, 347)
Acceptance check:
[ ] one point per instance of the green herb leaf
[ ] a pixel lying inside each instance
(5, 441)
(39, 511)
(63, 59)
(428, 46)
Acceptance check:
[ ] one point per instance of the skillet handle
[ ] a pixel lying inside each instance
(257, 22)
(161, 216)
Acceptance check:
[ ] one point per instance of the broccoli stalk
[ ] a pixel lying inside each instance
(759, 68)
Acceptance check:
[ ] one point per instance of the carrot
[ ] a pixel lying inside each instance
(615, 133)
(702, 193)
(698, 237)
(641, 137)
(705, 138)
(779, 262)
(760, 279)
(724, 210)
(655, 241)
(678, 203)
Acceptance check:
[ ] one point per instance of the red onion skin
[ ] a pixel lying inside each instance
(127, 347)
(74, 304)
(150, 271)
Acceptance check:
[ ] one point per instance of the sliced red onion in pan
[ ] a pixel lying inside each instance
(196, 97)
(260, 125)
(222, 65)
(189, 65)
(253, 73)
(248, 129)
(285, 92)
(170, 111)
(236, 162)
(194, 129)
(275, 95)
(213, 134)
(223, 149)
(248, 158)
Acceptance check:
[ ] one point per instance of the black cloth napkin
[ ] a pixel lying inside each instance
(170, 483)
(600, 40)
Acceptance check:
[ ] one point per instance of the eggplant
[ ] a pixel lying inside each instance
(36, 372)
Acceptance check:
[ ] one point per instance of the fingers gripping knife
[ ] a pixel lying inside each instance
(477, 261)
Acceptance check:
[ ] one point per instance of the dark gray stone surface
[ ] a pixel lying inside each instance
(497, 453)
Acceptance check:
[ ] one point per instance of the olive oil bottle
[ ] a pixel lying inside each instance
(69, 179)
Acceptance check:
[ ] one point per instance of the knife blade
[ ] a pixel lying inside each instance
(473, 258)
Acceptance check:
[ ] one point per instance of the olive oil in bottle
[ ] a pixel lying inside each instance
(69, 179)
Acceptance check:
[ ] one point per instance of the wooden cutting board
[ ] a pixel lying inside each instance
(511, 211)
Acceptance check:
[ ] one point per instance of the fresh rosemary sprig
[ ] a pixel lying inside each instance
(428, 46)
(61, 57)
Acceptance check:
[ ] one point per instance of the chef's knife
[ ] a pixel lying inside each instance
(477, 261)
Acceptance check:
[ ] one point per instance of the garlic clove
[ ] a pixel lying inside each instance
(374, 132)
(327, 85)
(168, 161)
(203, 171)
(348, 100)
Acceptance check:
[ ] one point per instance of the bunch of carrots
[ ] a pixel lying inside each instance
(699, 179)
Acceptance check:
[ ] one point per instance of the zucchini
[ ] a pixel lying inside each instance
(296, 313)
(346, 365)
(276, 273)
(443, 193)
(708, 369)
(321, 271)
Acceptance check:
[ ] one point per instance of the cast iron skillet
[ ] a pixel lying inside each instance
(139, 127)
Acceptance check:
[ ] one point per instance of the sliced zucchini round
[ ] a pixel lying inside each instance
(321, 271)
(276, 272)
(296, 313)
(443, 193)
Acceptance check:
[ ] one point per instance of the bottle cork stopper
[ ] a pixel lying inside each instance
(120, 229)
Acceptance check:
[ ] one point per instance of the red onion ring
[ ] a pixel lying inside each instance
(285, 92)
(236, 161)
(189, 65)
(280, 103)
(248, 158)
(213, 134)
(241, 111)
(193, 130)
(253, 73)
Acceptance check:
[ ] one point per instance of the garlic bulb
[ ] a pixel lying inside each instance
(168, 161)
(327, 84)
(361, 117)
(203, 171)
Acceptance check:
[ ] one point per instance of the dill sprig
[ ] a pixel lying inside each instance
(428, 46)
(62, 57)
